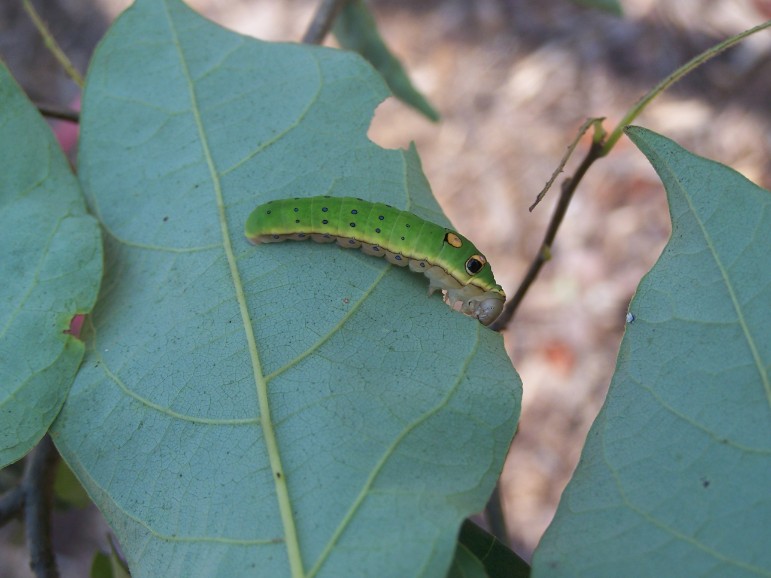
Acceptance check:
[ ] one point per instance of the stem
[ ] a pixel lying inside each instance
(599, 149)
(674, 77)
(54, 111)
(51, 44)
(599, 135)
(544, 254)
(322, 21)
(38, 482)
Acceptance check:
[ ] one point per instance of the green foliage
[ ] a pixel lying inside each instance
(673, 479)
(68, 490)
(355, 29)
(108, 565)
(292, 408)
(497, 560)
(51, 268)
(612, 6)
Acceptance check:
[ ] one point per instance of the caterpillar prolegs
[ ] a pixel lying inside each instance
(450, 261)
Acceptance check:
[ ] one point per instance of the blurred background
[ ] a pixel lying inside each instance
(513, 81)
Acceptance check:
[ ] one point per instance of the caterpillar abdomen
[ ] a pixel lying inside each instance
(450, 261)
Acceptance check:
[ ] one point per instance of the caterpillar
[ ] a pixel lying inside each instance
(450, 261)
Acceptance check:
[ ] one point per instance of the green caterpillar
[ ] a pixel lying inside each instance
(450, 261)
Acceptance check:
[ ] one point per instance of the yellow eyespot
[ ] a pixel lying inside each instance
(453, 240)
(475, 263)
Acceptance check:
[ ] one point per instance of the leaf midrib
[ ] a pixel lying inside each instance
(266, 421)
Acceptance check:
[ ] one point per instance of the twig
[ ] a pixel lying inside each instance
(37, 482)
(496, 517)
(55, 111)
(544, 254)
(322, 21)
(689, 66)
(51, 43)
(568, 153)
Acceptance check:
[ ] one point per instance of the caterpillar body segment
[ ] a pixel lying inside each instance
(449, 260)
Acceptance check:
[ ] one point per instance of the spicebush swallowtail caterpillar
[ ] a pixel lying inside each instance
(450, 261)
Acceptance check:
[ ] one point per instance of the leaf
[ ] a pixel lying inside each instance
(50, 266)
(466, 565)
(67, 489)
(611, 6)
(498, 560)
(674, 476)
(108, 565)
(295, 408)
(355, 29)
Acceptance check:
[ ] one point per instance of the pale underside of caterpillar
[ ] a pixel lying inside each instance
(450, 261)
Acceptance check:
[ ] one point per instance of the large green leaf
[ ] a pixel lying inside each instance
(280, 410)
(50, 269)
(355, 29)
(674, 478)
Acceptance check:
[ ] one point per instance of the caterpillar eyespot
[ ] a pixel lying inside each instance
(450, 261)
(475, 264)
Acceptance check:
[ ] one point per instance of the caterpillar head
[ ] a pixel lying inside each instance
(485, 306)
(486, 310)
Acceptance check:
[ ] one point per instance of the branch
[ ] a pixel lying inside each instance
(322, 21)
(37, 484)
(689, 66)
(569, 186)
(51, 44)
(57, 112)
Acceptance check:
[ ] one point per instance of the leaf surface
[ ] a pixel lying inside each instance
(674, 477)
(50, 269)
(355, 29)
(292, 408)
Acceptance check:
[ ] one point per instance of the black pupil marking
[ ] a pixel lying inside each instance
(324, 209)
(267, 212)
(402, 238)
(473, 266)
(375, 248)
(407, 225)
(377, 230)
(398, 257)
(351, 241)
(297, 220)
(354, 212)
(275, 236)
(352, 224)
(325, 222)
(296, 210)
(380, 217)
